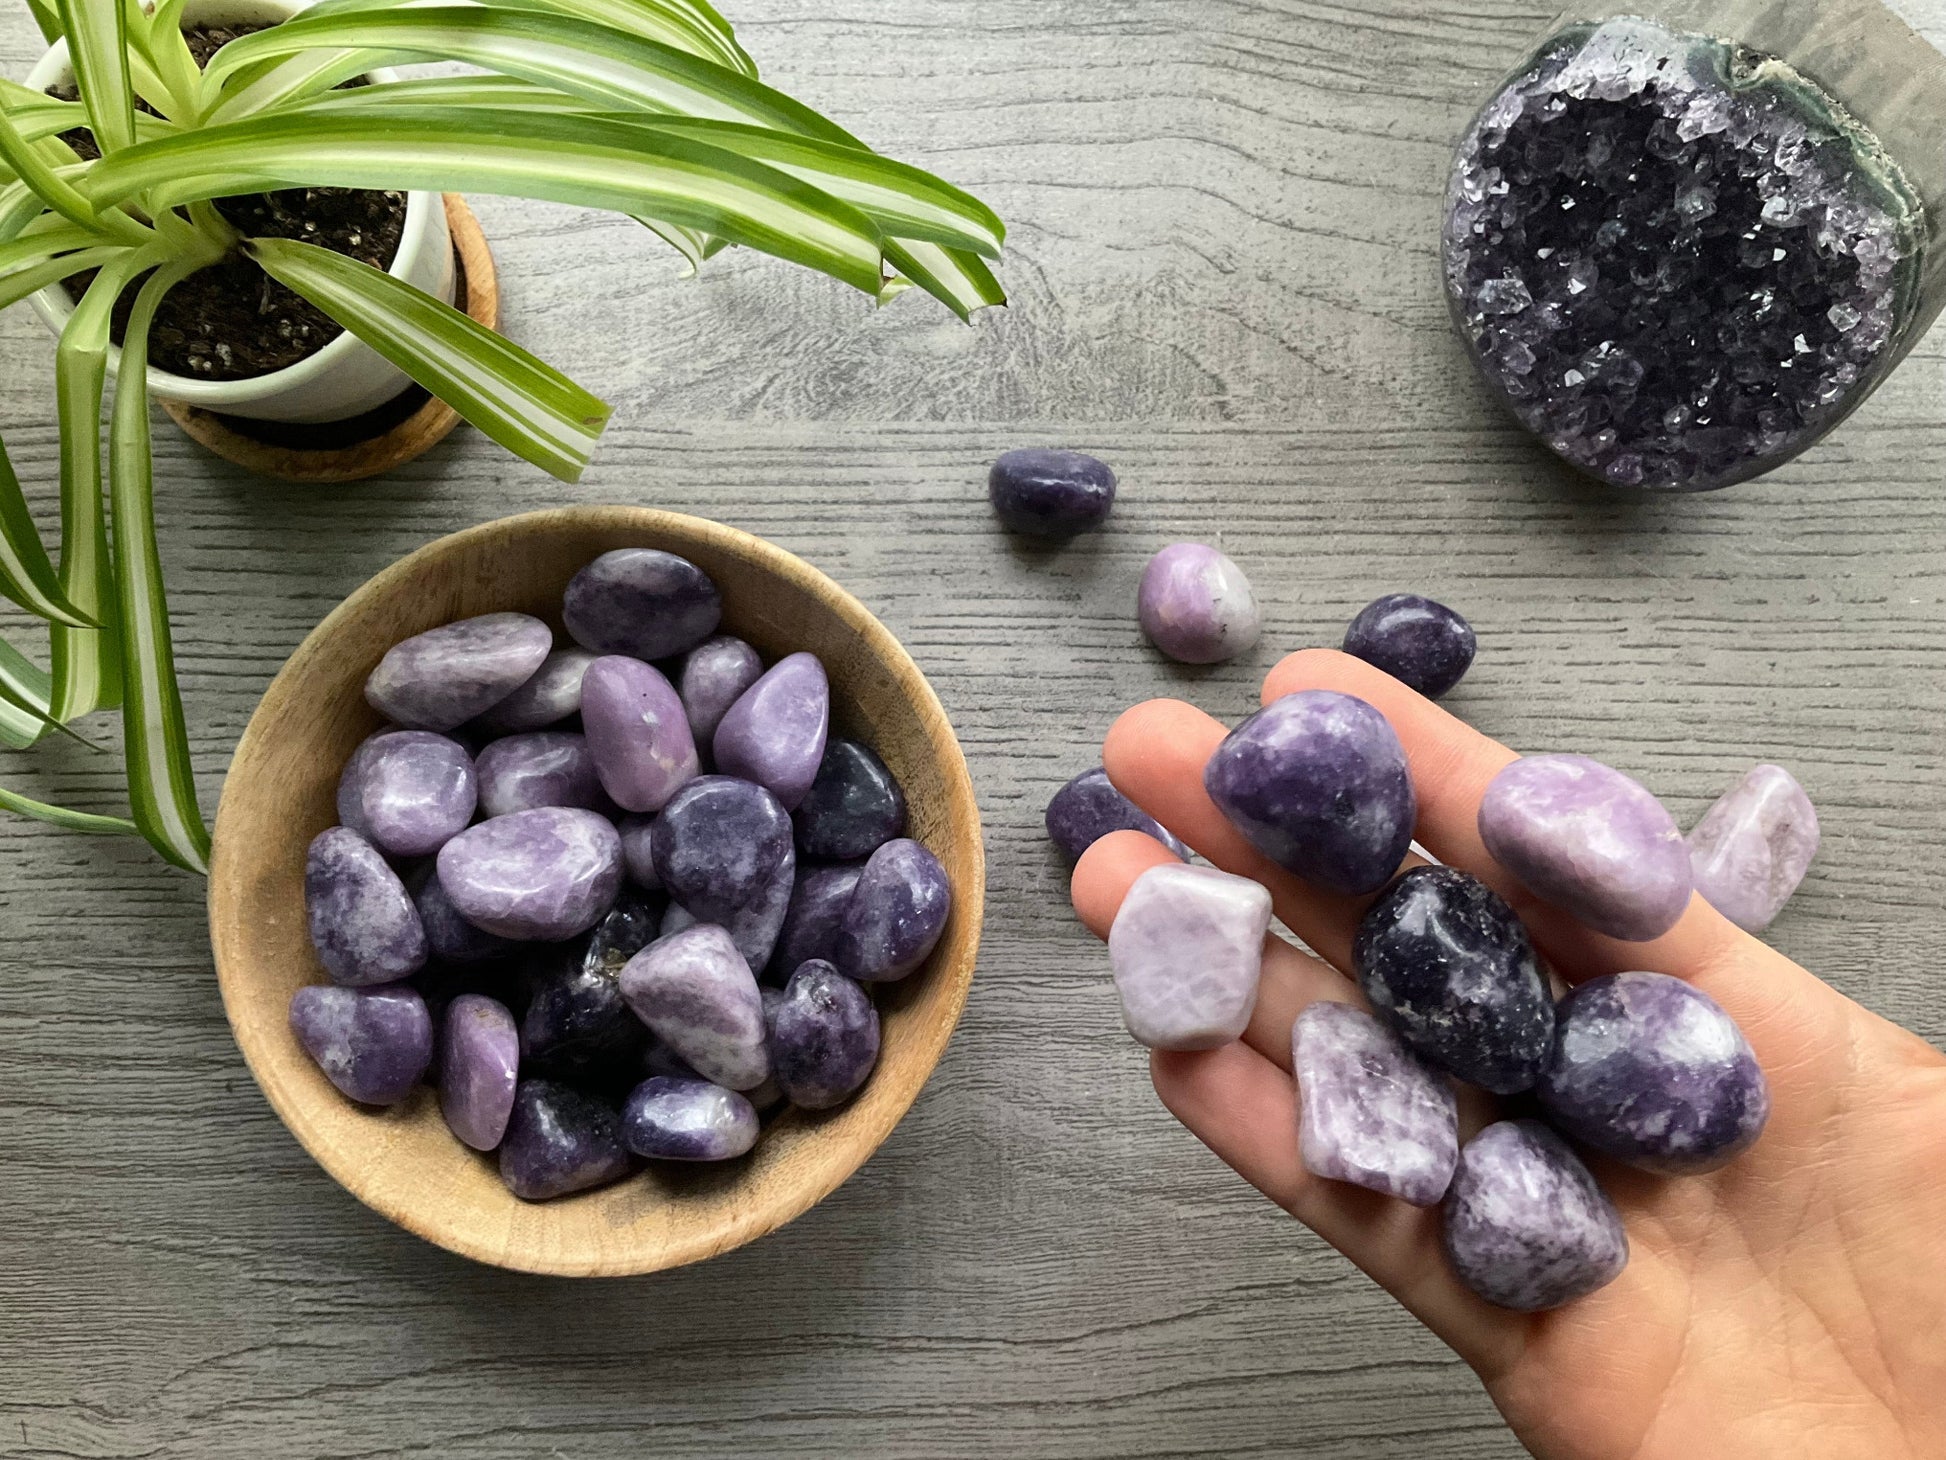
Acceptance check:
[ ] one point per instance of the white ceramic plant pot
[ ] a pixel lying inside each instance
(345, 378)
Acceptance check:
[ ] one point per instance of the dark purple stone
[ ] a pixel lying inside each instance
(542, 768)
(854, 807)
(672, 1119)
(560, 1141)
(444, 677)
(1317, 781)
(718, 845)
(755, 926)
(450, 936)
(896, 913)
(638, 851)
(1526, 1227)
(408, 792)
(774, 734)
(578, 1027)
(713, 677)
(1422, 644)
(1088, 807)
(641, 602)
(372, 1043)
(1651, 1071)
(479, 1065)
(1447, 964)
(637, 733)
(363, 922)
(1046, 492)
(817, 908)
(538, 876)
(823, 1038)
(550, 695)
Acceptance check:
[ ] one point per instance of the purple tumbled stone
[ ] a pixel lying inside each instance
(444, 677)
(1525, 1225)
(1753, 847)
(1370, 1111)
(823, 1037)
(550, 695)
(637, 733)
(1588, 839)
(479, 1065)
(641, 602)
(713, 677)
(1422, 644)
(363, 922)
(1088, 807)
(672, 1119)
(1318, 782)
(756, 926)
(695, 991)
(1187, 949)
(638, 851)
(1046, 492)
(718, 844)
(372, 1043)
(540, 768)
(854, 807)
(578, 1027)
(1650, 1070)
(408, 792)
(774, 734)
(896, 914)
(817, 908)
(538, 876)
(559, 1141)
(450, 937)
(1196, 606)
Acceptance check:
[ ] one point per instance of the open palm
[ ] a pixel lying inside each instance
(1792, 1304)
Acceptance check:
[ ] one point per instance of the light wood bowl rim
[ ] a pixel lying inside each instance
(292, 1083)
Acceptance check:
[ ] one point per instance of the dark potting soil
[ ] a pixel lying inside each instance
(232, 321)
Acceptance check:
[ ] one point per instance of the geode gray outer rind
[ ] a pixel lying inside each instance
(1679, 262)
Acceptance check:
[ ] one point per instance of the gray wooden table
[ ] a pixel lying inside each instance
(1223, 269)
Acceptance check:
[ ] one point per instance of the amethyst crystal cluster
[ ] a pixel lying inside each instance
(543, 902)
(1678, 261)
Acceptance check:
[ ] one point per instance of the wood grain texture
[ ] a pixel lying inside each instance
(1223, 271)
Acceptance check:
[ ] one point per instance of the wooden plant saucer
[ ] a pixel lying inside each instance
(405, 427)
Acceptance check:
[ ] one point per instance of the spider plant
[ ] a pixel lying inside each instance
(649, 108)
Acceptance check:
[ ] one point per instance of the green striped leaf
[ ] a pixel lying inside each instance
(27, 574)
(693, 28)
(24, 696)
(47, 18)
(97, 32)
(81, 821)
(526, 405)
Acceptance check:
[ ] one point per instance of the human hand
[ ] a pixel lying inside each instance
(1791, 1304)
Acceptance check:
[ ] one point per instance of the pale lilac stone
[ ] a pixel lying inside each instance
(550, 695)
(896, 915)
(637, 733)
(696, 992)
(479, 1065)
(560, 1141)
(542, 768)
(755, 926)
(823, 1037)
(538, 876)
(638, 851)
(817, 909)
(1196, 605)
(673, 1119)
(450, 937)
(1371, 1112)
(1187, 949)
(444, 677)
(1526, 1227)
(642, 602)
(363, 922)
(408, 792)
(1590, 840)
(713, 677)
(774, 734)
(1753, 847)
(372, 1043)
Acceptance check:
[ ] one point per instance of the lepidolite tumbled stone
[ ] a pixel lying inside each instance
(1525, 1225)
(1187, 949)
(1370, 1112)
(811, 922)
(578, 1027)
(713, 677)
(550, 695)
(364, 924)
(1317, 781)
(1588, 839)
(479, 1065)
(542, 768)
(560, 1141)
(695, 991)
(372, 1043)
(718, 843)
(1677, 262)
(1420, 643)
(672, 1119)
(854, 807)
(1753, 847)
(1650, 1070)
(1047, 492)
(1447, 964)
(896, 914)
(637, 733)
(823, 1037)
(408, 792)
(1196, 605)
(642, 602)
(442, 678)
(538, 875)
(756, 926)
(774, 734)
(450, 937)
(1088, 807)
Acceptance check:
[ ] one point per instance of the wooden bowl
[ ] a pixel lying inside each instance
(403, 1162)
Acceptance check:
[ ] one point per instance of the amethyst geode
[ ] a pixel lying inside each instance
(1678, 261)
